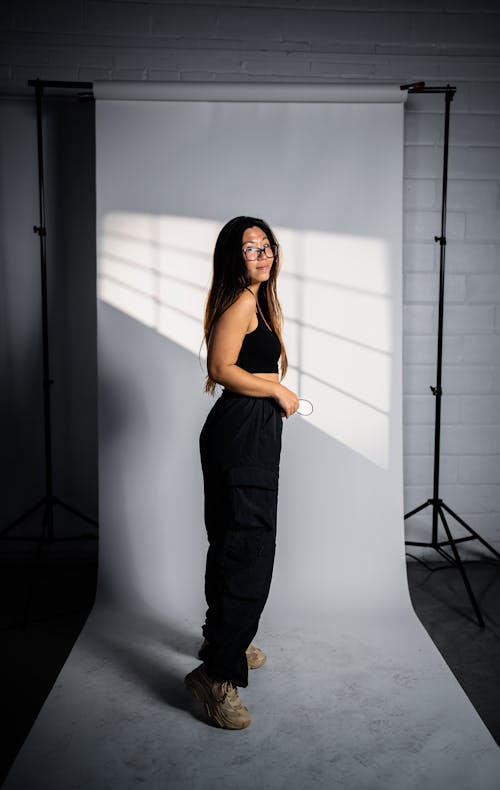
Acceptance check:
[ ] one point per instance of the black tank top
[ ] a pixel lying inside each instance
(260, 350)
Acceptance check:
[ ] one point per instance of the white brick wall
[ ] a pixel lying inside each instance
(334, 40)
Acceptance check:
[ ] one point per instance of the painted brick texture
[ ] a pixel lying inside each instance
(393, 41)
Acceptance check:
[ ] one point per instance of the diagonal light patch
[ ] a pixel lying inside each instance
(338, 305)
(157, 270)
(335, 293)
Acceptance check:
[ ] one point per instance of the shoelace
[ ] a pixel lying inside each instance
(230, 692)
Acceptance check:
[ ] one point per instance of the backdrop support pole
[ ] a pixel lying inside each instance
(50, 500)
(437, 504)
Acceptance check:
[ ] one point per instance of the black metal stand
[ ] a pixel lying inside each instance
(50, 500)
(437, 504)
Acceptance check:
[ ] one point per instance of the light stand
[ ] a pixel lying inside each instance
(437, 504)
(50, 500)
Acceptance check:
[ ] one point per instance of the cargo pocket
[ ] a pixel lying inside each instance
(253, 494)
(250, 539)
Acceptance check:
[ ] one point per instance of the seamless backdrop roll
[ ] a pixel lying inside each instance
(327, 175)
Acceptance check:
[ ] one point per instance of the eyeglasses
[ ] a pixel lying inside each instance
(252, 253)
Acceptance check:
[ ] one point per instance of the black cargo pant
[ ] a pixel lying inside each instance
(240, 446)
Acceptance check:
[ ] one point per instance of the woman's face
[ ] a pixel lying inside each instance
(259, 269)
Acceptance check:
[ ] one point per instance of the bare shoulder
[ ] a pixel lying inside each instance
(245, 302)
(242, 309)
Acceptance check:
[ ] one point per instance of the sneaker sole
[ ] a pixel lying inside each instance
(202, 694)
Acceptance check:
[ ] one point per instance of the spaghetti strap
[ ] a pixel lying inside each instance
(259, 309)
(250, 290)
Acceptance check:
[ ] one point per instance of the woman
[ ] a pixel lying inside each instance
(240, 446)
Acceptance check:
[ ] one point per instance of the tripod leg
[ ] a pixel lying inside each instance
(18, 520)
(461, 569)
(418, 509)
(472, 531)
(76, 512)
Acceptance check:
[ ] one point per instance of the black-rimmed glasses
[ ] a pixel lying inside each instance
(251, 253)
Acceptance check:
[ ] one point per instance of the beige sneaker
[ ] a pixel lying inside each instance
(255, 657)
(220, 699)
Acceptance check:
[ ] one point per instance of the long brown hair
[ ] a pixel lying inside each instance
(230, 278)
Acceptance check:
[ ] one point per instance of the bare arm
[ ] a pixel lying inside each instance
(224, 347)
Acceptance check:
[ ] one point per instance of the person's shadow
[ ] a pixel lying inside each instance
(134, 641)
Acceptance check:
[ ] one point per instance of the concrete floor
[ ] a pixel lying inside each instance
(63, 594)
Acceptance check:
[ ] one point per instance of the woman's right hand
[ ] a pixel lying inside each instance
(287, 399)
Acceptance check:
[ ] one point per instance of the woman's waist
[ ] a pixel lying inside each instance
(268, 376)
(232, 394)
(227, 394)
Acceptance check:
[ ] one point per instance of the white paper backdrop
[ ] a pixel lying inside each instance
(327, 176)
